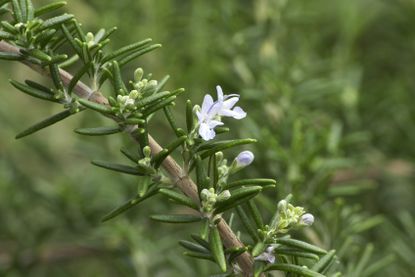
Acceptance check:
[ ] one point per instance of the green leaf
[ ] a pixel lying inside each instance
(71, 40)
(78, 76)
(17, 12)
(324, 262)
(56, 77)
(160, 105)
(238, 196)
(137, 54)
(198, 255)
(39, 87)
(33, 91)
(98, 131)
(301, 245)
(6, 36)
(37, 54)
(364, 260)
(200, 241)
(44, 123)
(95, 106)
(10, 56)
(162, 83)
(256, 214)
(117, 79)
(131, 156)
(126, 50)
(300, 254)
(184, 218)
(246, 222)
(30, 10)
(193, 247)
(250, 182)
(153, 99)
(171, 119)
(201, 177)
(258, 248)
(158, 159)
(49, 8)
(131, 203)
(216, 247)
(303, 271)
(121, 168)
(223, 145)
(179, 198)
(189, 116)
(54, 21)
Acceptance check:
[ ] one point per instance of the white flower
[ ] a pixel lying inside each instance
(244, 158)
(211, 111)
(267, 256)
(307, 219)
(227, 102)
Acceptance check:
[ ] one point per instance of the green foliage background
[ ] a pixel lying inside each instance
(329, 91)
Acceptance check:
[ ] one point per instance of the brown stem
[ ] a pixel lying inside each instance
(183, 182)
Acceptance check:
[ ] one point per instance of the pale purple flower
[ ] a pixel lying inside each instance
(211, 111)
(267, 256)
(307, 219)
(227, 102)
(244, 158)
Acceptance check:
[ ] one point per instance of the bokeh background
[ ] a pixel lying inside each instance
(329, 89)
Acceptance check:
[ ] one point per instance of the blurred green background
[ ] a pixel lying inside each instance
(329, 89)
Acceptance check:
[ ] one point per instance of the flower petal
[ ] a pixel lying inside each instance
(219, 91)
(207, 103)
(205, 132)
(238, 113)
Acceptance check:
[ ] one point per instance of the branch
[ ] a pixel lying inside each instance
(183, 182)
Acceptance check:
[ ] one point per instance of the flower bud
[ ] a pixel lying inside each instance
(224, 195)
(138, 74)
(307, 219)
(244, 158)
(147, 151)
(134, 94)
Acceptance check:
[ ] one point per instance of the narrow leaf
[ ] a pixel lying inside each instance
(226, 145)
(301, 245)
(130, 203)
(121, 168)
(193, 246)
(95, 106)
(179, 198)
(33, 91)
(44, 123)
(303, 271)
(99, 131)
(159, 158)
(321, 265)
(184, 218)
(49, 8)
(10, 56)
(237, 197)
(250, 182)
(189, 116)
(246, 222)
(54, 21)
(131, 57)
(216, 247)
(126, 49)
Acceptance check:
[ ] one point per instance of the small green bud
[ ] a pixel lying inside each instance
(147, 151)
(134, 94)
(138, 74)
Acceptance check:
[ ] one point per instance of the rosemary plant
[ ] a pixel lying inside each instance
(206, 184)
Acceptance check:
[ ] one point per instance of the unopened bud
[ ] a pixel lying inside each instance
(244, 158)
(307, 219)
(138, 74)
